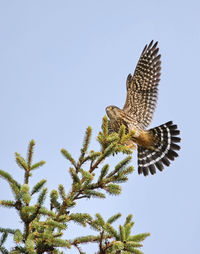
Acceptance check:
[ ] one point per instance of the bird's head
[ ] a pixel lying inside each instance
(112, 111)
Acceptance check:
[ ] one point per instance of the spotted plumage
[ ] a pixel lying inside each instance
(156, 147)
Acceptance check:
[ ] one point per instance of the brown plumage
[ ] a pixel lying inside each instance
(155, 146)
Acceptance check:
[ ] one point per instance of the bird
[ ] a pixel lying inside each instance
(158, 146)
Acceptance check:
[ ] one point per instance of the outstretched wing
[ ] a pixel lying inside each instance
(142, 87)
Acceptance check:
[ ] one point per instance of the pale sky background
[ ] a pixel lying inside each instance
(62, 63)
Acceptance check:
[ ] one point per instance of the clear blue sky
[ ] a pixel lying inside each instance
(63, 62)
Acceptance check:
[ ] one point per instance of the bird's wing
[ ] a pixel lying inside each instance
(142, 87)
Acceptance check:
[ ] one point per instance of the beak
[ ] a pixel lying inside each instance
(108, 110)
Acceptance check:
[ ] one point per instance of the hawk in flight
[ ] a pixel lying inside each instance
(156, 146)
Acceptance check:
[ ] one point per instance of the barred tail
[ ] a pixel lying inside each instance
(165, 146)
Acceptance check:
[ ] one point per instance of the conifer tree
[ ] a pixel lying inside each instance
(44, 227)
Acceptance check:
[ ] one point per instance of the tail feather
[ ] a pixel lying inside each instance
(164, 152)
